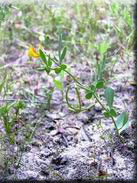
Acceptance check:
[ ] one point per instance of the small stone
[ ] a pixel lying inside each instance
(53, 132)
(72, 131)
(97, 108)
(27, 148)
(60, 160)
(54, 116)
(46, 153)
(49, 126)
(83, 117)
(31, 174)
(131, 145)
(44, 173)
(62, 114)
(37, 143)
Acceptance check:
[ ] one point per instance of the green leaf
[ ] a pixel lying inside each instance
(3, 82)
(3, 111)
(60, 45)
(107, 114)
(63, 66)
(103, 47)
(62, 74)
(121, 120)
(100, 84)
(46, 39)
(92, 88)
(100, 69)
(57, 70)
(113, 112)
(47, 69)
(58, 84)
(20, 105)
(2, 85)
(9, 106)
(63, 54)
(124, 127)
(42, 56)
(49, 63)
(89, 95)
(109, 96)
(41, 69)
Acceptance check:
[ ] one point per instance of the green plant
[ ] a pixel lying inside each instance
(9, 115)
(91, 91)
(4, 11)
(9, 111)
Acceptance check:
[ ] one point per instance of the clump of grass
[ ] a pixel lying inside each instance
(80, 32)
(9, 110)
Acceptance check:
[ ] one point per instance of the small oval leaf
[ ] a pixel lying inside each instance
(113, 112)
(107, 114)
(109, 96)
(121, 120)
(89, 95)
(63, 66)
(100, 84)
(57, 70)
(124, 127)
(58, 84)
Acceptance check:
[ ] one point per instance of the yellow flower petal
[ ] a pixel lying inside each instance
(32, 53)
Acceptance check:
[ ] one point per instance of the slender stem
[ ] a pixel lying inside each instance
(122, 140)
(83, 87)
(105, 110)
(80, 85)
(15, 100)
(87, 108)
(96, 97)
(78, 95)
(115, 124)
(68, 101)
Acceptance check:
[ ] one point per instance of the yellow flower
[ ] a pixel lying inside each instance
(32, 53)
